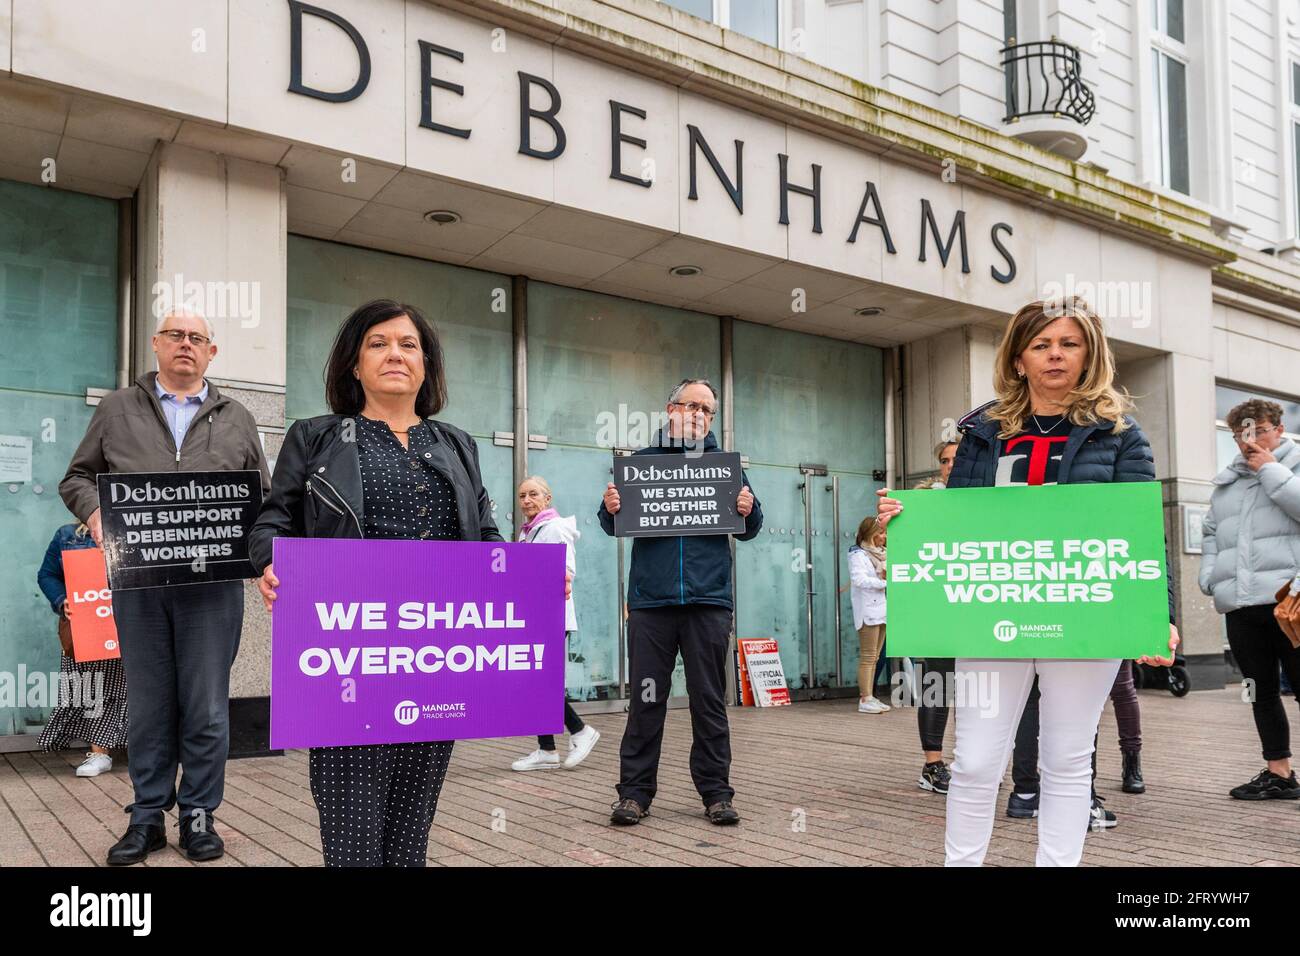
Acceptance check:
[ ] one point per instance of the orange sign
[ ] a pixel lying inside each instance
(90, 606)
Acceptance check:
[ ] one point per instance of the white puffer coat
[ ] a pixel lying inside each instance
(868, 590)
(1252, 533)
(561, 531)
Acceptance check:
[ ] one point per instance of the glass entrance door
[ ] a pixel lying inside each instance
(600, 369)
(810, 419)
(58, 326)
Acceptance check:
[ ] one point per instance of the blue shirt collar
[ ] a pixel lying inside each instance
(197, 399)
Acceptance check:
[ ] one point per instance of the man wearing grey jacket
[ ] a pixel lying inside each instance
(1250, 550)
(178, 643)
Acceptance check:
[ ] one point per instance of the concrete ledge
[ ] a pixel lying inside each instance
(787, 88)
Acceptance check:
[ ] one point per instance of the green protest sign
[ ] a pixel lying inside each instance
(1051, 571)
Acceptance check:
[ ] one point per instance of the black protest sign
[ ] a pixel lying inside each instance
(662, 495)
(177, 527)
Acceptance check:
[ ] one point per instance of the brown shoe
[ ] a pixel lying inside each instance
(627, 812)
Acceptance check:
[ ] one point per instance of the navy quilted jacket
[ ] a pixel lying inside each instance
(1095, 454)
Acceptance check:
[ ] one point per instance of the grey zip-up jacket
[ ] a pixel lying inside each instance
(129, 432)
(1251, 543)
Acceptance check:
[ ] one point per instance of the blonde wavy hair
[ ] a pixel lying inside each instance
(1094, 398)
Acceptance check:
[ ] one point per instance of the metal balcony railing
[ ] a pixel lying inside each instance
(1044, 78)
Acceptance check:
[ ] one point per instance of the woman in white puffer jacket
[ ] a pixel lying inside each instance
(867, 578)
(543, 525)
(1251, 549)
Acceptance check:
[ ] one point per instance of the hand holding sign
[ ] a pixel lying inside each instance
(886, 507)
(1174, 641)
(267, 584)
(382, 641)
(744, 502)
(612, 503)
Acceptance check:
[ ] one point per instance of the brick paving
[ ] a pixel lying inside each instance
(849, 779)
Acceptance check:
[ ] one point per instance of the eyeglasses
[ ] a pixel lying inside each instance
(1239, 433)
(694, 407)
(176, 336)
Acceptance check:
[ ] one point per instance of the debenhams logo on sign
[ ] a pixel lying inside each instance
(149, 493)
(1008, 631)
(633, 473)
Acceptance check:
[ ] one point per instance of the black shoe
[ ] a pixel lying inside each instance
(1268, 786)
(627, 812)
(935, 778)
(1099, 818)
(1020, 808)
(722, 814)
(1132, 774)
(140, 840)
(199, 838)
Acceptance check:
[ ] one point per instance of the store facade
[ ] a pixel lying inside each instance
(592, 201)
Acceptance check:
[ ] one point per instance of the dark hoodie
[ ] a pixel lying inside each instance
(684, 569)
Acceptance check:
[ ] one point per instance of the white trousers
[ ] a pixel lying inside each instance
(1073, 693)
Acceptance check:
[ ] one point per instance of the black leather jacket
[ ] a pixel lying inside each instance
(316, 490)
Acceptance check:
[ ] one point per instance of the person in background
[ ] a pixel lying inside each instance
(1251, 548)
(543, 525)
(101, 722)
(181, 641)
(379, 467)
(945, 453)
(867, 580)
(932, 714)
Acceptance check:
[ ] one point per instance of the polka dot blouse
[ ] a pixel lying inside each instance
(403, 495)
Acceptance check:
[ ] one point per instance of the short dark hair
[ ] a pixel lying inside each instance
(343, 390)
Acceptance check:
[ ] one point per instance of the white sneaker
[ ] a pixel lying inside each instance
(581, 744)
(94, 765)
(872, 706)
(538, 760)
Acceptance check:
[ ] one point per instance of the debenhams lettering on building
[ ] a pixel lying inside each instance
(540, 101)
(149, 493)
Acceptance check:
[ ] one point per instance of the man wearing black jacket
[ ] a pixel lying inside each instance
(679, 598)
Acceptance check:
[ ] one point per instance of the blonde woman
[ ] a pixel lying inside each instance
(1058, 419)
(867, 579)
(543, 524)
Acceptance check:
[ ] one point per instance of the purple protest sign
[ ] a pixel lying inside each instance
(399, 641)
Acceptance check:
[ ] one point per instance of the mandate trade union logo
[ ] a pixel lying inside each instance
(406, 713)
(1005, 631)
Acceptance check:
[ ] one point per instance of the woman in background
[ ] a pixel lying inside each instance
(867, 580)
(101, 721)
(543, 525)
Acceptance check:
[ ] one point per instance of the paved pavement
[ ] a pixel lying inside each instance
(817, 783)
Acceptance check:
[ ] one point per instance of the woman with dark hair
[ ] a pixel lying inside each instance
(1058, 419)
(378, 467)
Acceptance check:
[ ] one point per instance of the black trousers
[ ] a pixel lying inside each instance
(377, 801)
(702, 632)
(932, 719)
(178, 645)
(1259, 647)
